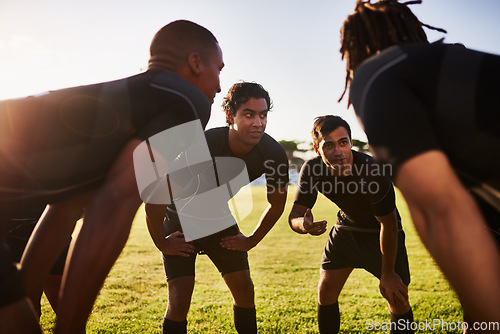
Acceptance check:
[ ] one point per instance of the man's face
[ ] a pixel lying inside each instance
(250, 121)
(208, 81)
(335, 149)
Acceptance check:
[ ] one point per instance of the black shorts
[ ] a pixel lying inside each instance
(226, 261)
(353, 249)
(17, 239)
(11, 282)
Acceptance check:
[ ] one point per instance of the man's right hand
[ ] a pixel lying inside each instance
(175, 244)
(312, 227)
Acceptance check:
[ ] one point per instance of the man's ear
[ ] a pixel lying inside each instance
(194, 63)
(229, 116)
(316, 149)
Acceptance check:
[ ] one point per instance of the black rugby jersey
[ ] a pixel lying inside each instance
(416, 98)
(267, 157)
(63, 141)
(363, 194)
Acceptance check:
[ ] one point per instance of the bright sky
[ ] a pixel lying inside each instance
(290, 47)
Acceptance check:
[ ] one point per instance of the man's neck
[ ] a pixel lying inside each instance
(161, 62)
(238, 148)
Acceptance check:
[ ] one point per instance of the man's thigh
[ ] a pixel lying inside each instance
(179, 266)
(372, 260)
(227, 261)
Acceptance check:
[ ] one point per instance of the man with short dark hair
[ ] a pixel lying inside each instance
(368, 233)
(246, 106)
(73, 148)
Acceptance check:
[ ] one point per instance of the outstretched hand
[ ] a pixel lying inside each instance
(312, 227)
(175, 244)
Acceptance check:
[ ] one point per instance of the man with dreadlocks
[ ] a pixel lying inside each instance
(429, 109)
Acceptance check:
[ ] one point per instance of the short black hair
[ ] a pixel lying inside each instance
(178, 39)
(323, 125)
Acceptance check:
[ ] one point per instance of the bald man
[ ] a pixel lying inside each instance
(73, 148)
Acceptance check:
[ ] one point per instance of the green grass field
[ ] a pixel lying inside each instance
(285, 271)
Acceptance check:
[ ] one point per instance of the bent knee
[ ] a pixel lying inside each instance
(398, 307)
(242, 290)
(246, 290)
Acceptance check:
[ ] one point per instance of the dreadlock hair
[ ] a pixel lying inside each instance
(374, 27)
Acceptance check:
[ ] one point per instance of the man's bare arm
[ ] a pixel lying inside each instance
(173, 244)
(391, 285)
(276, 204)
(454, 231)
(155, 214)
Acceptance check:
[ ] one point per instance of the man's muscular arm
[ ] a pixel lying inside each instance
(173, 244)
(276, 204)
(391, 285)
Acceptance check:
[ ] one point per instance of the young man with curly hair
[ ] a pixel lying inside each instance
(246, 106)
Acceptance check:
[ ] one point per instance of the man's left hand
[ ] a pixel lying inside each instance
(238, 242)
(393, 289)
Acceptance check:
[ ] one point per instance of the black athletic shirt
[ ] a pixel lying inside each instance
(267, 157)
(63, 141)
(363, 194)
(416, 98)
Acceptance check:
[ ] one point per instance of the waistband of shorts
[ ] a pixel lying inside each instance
(359, 229)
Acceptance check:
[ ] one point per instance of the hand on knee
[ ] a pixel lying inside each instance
(398, 307)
